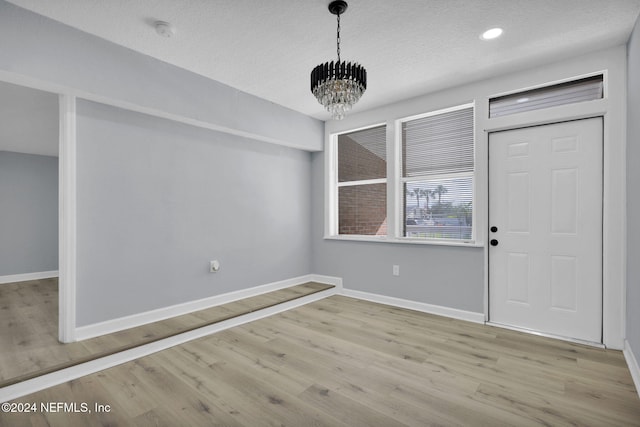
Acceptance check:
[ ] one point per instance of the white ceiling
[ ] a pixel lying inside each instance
(268, 47)
(409, 47)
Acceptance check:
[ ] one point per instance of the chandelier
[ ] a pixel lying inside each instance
(338, 85)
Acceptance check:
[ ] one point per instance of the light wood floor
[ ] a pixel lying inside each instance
(346, 362)
(29, 328)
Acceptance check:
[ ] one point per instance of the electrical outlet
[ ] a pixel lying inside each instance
(214, 266)
(396, 270)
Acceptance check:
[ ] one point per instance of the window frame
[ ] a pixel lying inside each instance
(394, 182)
(335, 185)
(401, 181)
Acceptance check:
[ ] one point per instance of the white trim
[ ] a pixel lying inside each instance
(28, 276)
(330, 207)
(358, 129)
(552, 83)
(331, 176)
(395, 197)
(632, 362)
(138, 319)
(613, 110)
(563, 115)
(611, 61)
(362, 182)
(49, 380)
(546, 335)
(470, 104)
(328, 280)
(545, 116)
(441, 176)
(67, 219)
(406, 240)
(27, 81)
(439, 310)
(394, 181)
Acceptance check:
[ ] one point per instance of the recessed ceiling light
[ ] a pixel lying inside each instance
(491, 34)
(521, 100)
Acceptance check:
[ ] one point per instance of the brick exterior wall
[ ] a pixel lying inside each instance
(362, 209)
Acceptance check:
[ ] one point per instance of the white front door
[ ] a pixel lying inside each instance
(545, 219)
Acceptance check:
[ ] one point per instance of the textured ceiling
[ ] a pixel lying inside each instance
(409, 47)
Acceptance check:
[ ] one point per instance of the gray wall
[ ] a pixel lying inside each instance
(28, 213)
(158, 200)
(45, 50)
(633, 192)
(441, 275)
(454, 276)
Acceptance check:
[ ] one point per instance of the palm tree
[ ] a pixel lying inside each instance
(427, 194)
(417, 193)
(464, 213)
(440, 190)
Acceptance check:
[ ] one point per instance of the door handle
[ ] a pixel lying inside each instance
(493, 242)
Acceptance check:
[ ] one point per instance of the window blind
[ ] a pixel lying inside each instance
(581, 90)
(438, 144)
(362, 154)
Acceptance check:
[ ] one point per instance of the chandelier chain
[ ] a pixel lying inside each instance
(338, 85)
(338, 38)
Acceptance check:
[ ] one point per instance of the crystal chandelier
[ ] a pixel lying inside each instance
(338, 85)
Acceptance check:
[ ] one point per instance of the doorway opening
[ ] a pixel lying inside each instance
(29, 223)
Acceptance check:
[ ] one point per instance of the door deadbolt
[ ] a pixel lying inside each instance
(494, 229)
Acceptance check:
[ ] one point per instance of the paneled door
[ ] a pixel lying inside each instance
(545, 219)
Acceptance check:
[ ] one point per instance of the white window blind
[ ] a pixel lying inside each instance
(581, 90)
(438, 144)
(437, 175)
(432, 196)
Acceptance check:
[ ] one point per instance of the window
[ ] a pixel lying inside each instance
(581, 90)
(437, 175)
(430, 195)
(362, 182)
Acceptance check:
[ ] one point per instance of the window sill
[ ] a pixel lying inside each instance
(406, 241)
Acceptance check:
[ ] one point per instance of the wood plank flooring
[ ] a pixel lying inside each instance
(346, 362)
(29, 328)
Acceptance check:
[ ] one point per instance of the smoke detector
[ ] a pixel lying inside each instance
(164, 29)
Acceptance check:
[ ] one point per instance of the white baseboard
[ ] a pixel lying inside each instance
(139, 319)
(329, 280)
(28, 276)
(49, 380)
(632, 362)
(469, 316)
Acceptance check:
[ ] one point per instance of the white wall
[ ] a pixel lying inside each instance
(28, 213)
(48, 55)
(633, 193)
(455, 277)
(221, 184)
(157, 200)
(45, 54)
